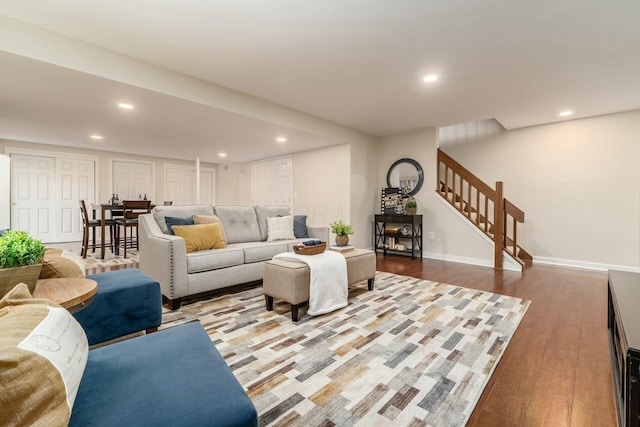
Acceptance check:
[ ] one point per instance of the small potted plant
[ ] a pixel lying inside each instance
(410, 207)
(342, 232)
(20, 260)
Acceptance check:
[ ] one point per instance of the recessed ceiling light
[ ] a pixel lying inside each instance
(281, 139)
(565, 113)
(125, 106)
(430, 78)
(97, 137)
(221, 154)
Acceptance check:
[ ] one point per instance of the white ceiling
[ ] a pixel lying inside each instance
(358, 63)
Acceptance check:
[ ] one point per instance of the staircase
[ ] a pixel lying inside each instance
(485, 207)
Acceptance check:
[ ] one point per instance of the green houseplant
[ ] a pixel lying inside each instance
(20, 260)
(410, 207)
(342, 232)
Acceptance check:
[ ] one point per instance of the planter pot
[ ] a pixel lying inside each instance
(342, 240)
(10, 277)
(410, 211)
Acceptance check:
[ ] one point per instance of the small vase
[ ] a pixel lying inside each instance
(410, 211)
(342, 240)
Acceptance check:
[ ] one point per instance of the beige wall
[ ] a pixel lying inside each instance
(233, 184)
(321, 184)
(104, 159)
(453, 239)
(365, 194)
(578, 183)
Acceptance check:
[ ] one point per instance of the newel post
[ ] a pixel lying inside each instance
(498, 220)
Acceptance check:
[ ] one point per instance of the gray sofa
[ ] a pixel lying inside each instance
(164, 257)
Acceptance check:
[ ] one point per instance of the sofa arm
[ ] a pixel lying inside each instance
(163, 257)
(318, 232)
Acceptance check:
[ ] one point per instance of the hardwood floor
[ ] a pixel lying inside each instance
(556, 370)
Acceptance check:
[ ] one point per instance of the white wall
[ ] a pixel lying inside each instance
(329, 184)
(104, 165)
(454, 240)
(578, 183)
(5, 192)
(365, 194)
(321, 184)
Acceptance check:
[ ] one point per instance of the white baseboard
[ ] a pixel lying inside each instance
(583, 264)
(471, 261)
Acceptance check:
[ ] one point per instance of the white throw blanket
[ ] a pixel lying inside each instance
(327, 280)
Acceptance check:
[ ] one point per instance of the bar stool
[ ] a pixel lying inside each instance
(92, 224)
(131, 209)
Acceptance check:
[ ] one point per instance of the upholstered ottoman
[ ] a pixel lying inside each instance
(289, 280)
(127, 301)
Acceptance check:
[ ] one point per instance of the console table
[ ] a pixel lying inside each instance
(623, 323)
(412, 239)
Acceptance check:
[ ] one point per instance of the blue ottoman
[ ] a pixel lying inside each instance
(127, 301)
(174, 377)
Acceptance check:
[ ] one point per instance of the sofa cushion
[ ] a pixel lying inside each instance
(280, 228)
(170, 221)
(159, 212)
(263, 251)
(214, 259)
(300, 226)
(267, 211)
(210, 219)
(174, 377)
(240, 223)
(43, 353)
(200, 237)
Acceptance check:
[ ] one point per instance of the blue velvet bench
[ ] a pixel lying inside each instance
(127, 301)
(174, 377)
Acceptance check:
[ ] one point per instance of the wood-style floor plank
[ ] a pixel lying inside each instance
(556, 370)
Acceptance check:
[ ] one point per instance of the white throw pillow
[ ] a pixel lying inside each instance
(280, 228)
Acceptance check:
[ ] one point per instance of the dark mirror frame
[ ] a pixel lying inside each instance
(415, 164)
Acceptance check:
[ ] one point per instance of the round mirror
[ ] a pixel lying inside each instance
(407, 175)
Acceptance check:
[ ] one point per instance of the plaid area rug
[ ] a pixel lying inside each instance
(409, 353)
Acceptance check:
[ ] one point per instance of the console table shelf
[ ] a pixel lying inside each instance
(623, 325)
(412, 239)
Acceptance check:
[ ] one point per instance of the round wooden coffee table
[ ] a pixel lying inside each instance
(71, 293)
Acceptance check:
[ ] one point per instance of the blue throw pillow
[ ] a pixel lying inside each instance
(172, 220)
(300, 226)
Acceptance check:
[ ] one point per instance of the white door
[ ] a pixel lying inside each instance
(76, 181)
(180, 185)
(132, 180)
(271, 181)
(45, 194)
(33, 196)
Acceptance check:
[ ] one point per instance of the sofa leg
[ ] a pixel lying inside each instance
(174, 304)
(151, 330)
(269, 301)
(294, 312)
(370, 283)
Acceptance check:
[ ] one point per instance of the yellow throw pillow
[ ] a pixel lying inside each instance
(210, 219)
(200, 237)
